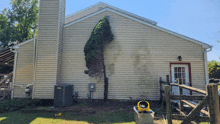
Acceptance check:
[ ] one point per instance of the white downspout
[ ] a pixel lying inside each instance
(14, 69)
(34, 52)
(206, 65)
(34, 59)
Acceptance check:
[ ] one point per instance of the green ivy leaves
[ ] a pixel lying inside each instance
(93, 50)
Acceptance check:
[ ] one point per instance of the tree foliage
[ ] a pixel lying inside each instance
(214, 69)
(94, 48)
(6, 30)
(19, 22)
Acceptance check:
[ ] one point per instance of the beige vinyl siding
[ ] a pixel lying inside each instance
(83, 13)
(198, 80)
(135, 60)
(47, 48)
(24, 69)
(88, 11)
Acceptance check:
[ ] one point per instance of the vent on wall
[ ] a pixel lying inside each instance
(63, 95)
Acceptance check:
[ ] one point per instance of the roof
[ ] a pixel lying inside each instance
(126, 14)
(204, 45)
(117, 9)
(20, 44)
(7, 56)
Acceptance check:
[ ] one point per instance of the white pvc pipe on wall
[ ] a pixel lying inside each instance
(15, 64)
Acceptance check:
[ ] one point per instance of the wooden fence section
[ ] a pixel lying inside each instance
(5, 89)
(210, 98)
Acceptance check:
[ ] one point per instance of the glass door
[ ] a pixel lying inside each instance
(181, 72)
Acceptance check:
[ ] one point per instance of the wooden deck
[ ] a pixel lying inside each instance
(5, 89)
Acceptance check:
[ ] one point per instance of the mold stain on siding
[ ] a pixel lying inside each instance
(112, 52)
(142, 69)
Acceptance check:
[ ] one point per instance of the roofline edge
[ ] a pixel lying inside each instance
(204, 45)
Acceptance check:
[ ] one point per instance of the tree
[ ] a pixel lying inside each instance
(24, 14)
(19, 22)
(214, 69)
(94, 51)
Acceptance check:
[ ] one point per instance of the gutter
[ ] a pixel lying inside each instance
(206, 65)
(14, 69)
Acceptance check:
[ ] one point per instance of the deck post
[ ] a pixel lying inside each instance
(181, 93)
(213, 102)
(168, 104)
(167, 79)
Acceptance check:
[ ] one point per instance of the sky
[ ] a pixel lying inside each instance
(197, 19)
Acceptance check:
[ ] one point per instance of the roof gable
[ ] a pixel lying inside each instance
(94, 8)
(204, 45)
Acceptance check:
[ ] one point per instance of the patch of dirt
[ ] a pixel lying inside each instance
(87, 108)
(84, 108)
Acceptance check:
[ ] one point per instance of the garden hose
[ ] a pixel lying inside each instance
(159, 108)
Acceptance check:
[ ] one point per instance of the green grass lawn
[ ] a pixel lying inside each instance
(117, 117)
(66, 118)
(119, 114)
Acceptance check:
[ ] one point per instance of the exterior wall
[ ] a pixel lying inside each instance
(135, 60)
(83, 13)
(50, 17)
(24, 69)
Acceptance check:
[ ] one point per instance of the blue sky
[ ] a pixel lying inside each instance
(197, 19)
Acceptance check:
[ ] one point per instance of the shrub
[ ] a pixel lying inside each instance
(16, 104)
(214, 69)
(93, 49)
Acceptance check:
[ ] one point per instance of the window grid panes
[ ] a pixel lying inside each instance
(179, 73)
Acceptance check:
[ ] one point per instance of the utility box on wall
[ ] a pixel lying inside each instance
(91, 87)
(63, 95)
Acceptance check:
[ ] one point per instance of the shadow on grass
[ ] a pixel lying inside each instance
(66, 117)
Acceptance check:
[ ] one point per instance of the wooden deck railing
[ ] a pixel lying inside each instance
(5, 89)
(10, 75)
(209, 97)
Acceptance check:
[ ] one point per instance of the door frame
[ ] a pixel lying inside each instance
(189, 66)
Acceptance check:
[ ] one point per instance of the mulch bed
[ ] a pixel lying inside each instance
(84, 107)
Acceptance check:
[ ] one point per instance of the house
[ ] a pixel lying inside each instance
(140, 53)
